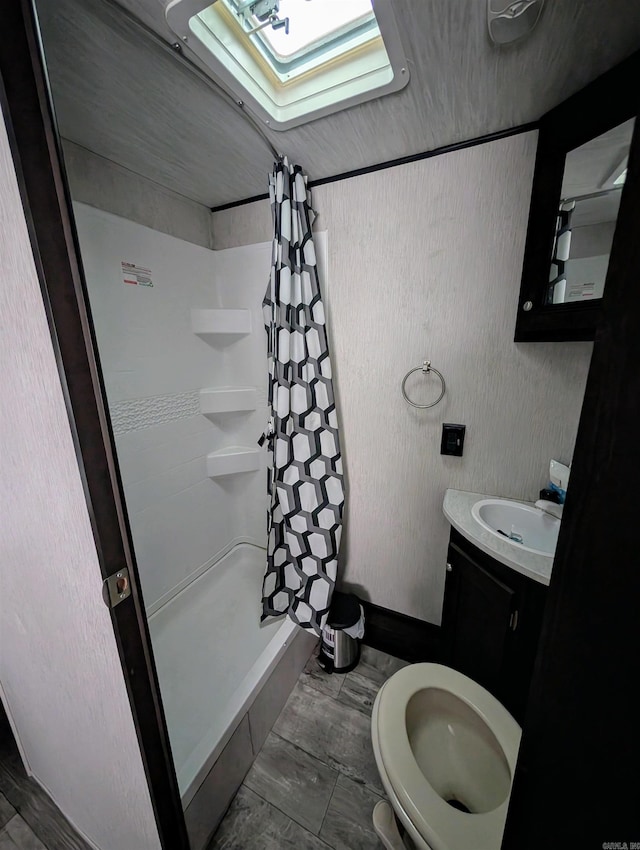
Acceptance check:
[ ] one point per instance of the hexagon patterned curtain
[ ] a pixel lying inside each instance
(561, 250)
(305, 483)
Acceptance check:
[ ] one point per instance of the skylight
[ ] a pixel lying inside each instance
(291, 61)
(313, 23)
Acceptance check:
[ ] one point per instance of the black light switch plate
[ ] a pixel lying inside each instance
(452, 439)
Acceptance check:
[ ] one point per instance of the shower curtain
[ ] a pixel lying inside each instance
(561, 252)
(305, 483)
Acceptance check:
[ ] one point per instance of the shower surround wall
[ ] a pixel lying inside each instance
(154, 367)
(199, 541)
(425, 262)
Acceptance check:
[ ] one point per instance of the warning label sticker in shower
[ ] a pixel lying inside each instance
(136, 275)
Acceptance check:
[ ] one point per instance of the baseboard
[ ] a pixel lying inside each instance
(6, 718)
(8, 728)
(402, 636)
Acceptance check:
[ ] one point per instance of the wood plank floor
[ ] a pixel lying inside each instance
(29, 820)
(314, 784)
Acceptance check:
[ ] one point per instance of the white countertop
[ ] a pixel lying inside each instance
(457, 509)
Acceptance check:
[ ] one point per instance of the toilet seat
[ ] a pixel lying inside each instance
(439, 825)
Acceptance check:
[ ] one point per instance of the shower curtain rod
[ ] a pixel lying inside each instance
(175, 49)
(591, 195)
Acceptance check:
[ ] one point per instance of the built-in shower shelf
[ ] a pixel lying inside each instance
(207, 322)
(227, 399)
(231, 460)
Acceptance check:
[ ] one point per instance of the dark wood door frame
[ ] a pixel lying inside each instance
(28, 113)
(577, 781)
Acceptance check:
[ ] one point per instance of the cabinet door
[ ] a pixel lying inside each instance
(477, 620)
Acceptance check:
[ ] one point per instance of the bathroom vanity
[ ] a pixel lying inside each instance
(493, 604)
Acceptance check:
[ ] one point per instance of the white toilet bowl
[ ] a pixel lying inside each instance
(446, 752)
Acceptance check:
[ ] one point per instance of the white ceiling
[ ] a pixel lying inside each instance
(587, 169)
(122, 96)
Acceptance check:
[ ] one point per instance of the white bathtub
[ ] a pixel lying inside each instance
(213, 657)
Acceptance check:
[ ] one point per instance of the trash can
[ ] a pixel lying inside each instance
(340, 645)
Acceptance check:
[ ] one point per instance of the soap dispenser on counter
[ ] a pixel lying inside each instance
(558, 481)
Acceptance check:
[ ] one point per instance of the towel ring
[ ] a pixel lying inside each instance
(425, 369)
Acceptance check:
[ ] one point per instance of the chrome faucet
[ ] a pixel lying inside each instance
(513, 535)
(551, 508)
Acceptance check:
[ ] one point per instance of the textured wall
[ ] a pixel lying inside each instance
(59, 665)
(100, 183)
(425, 261)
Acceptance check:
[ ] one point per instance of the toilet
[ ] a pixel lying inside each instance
(446, 752)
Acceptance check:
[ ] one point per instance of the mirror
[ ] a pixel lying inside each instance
(578, 187)
(594, 174)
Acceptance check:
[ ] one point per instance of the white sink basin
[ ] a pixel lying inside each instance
(520, 525)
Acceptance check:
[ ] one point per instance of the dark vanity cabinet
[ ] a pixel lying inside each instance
(491, 622)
